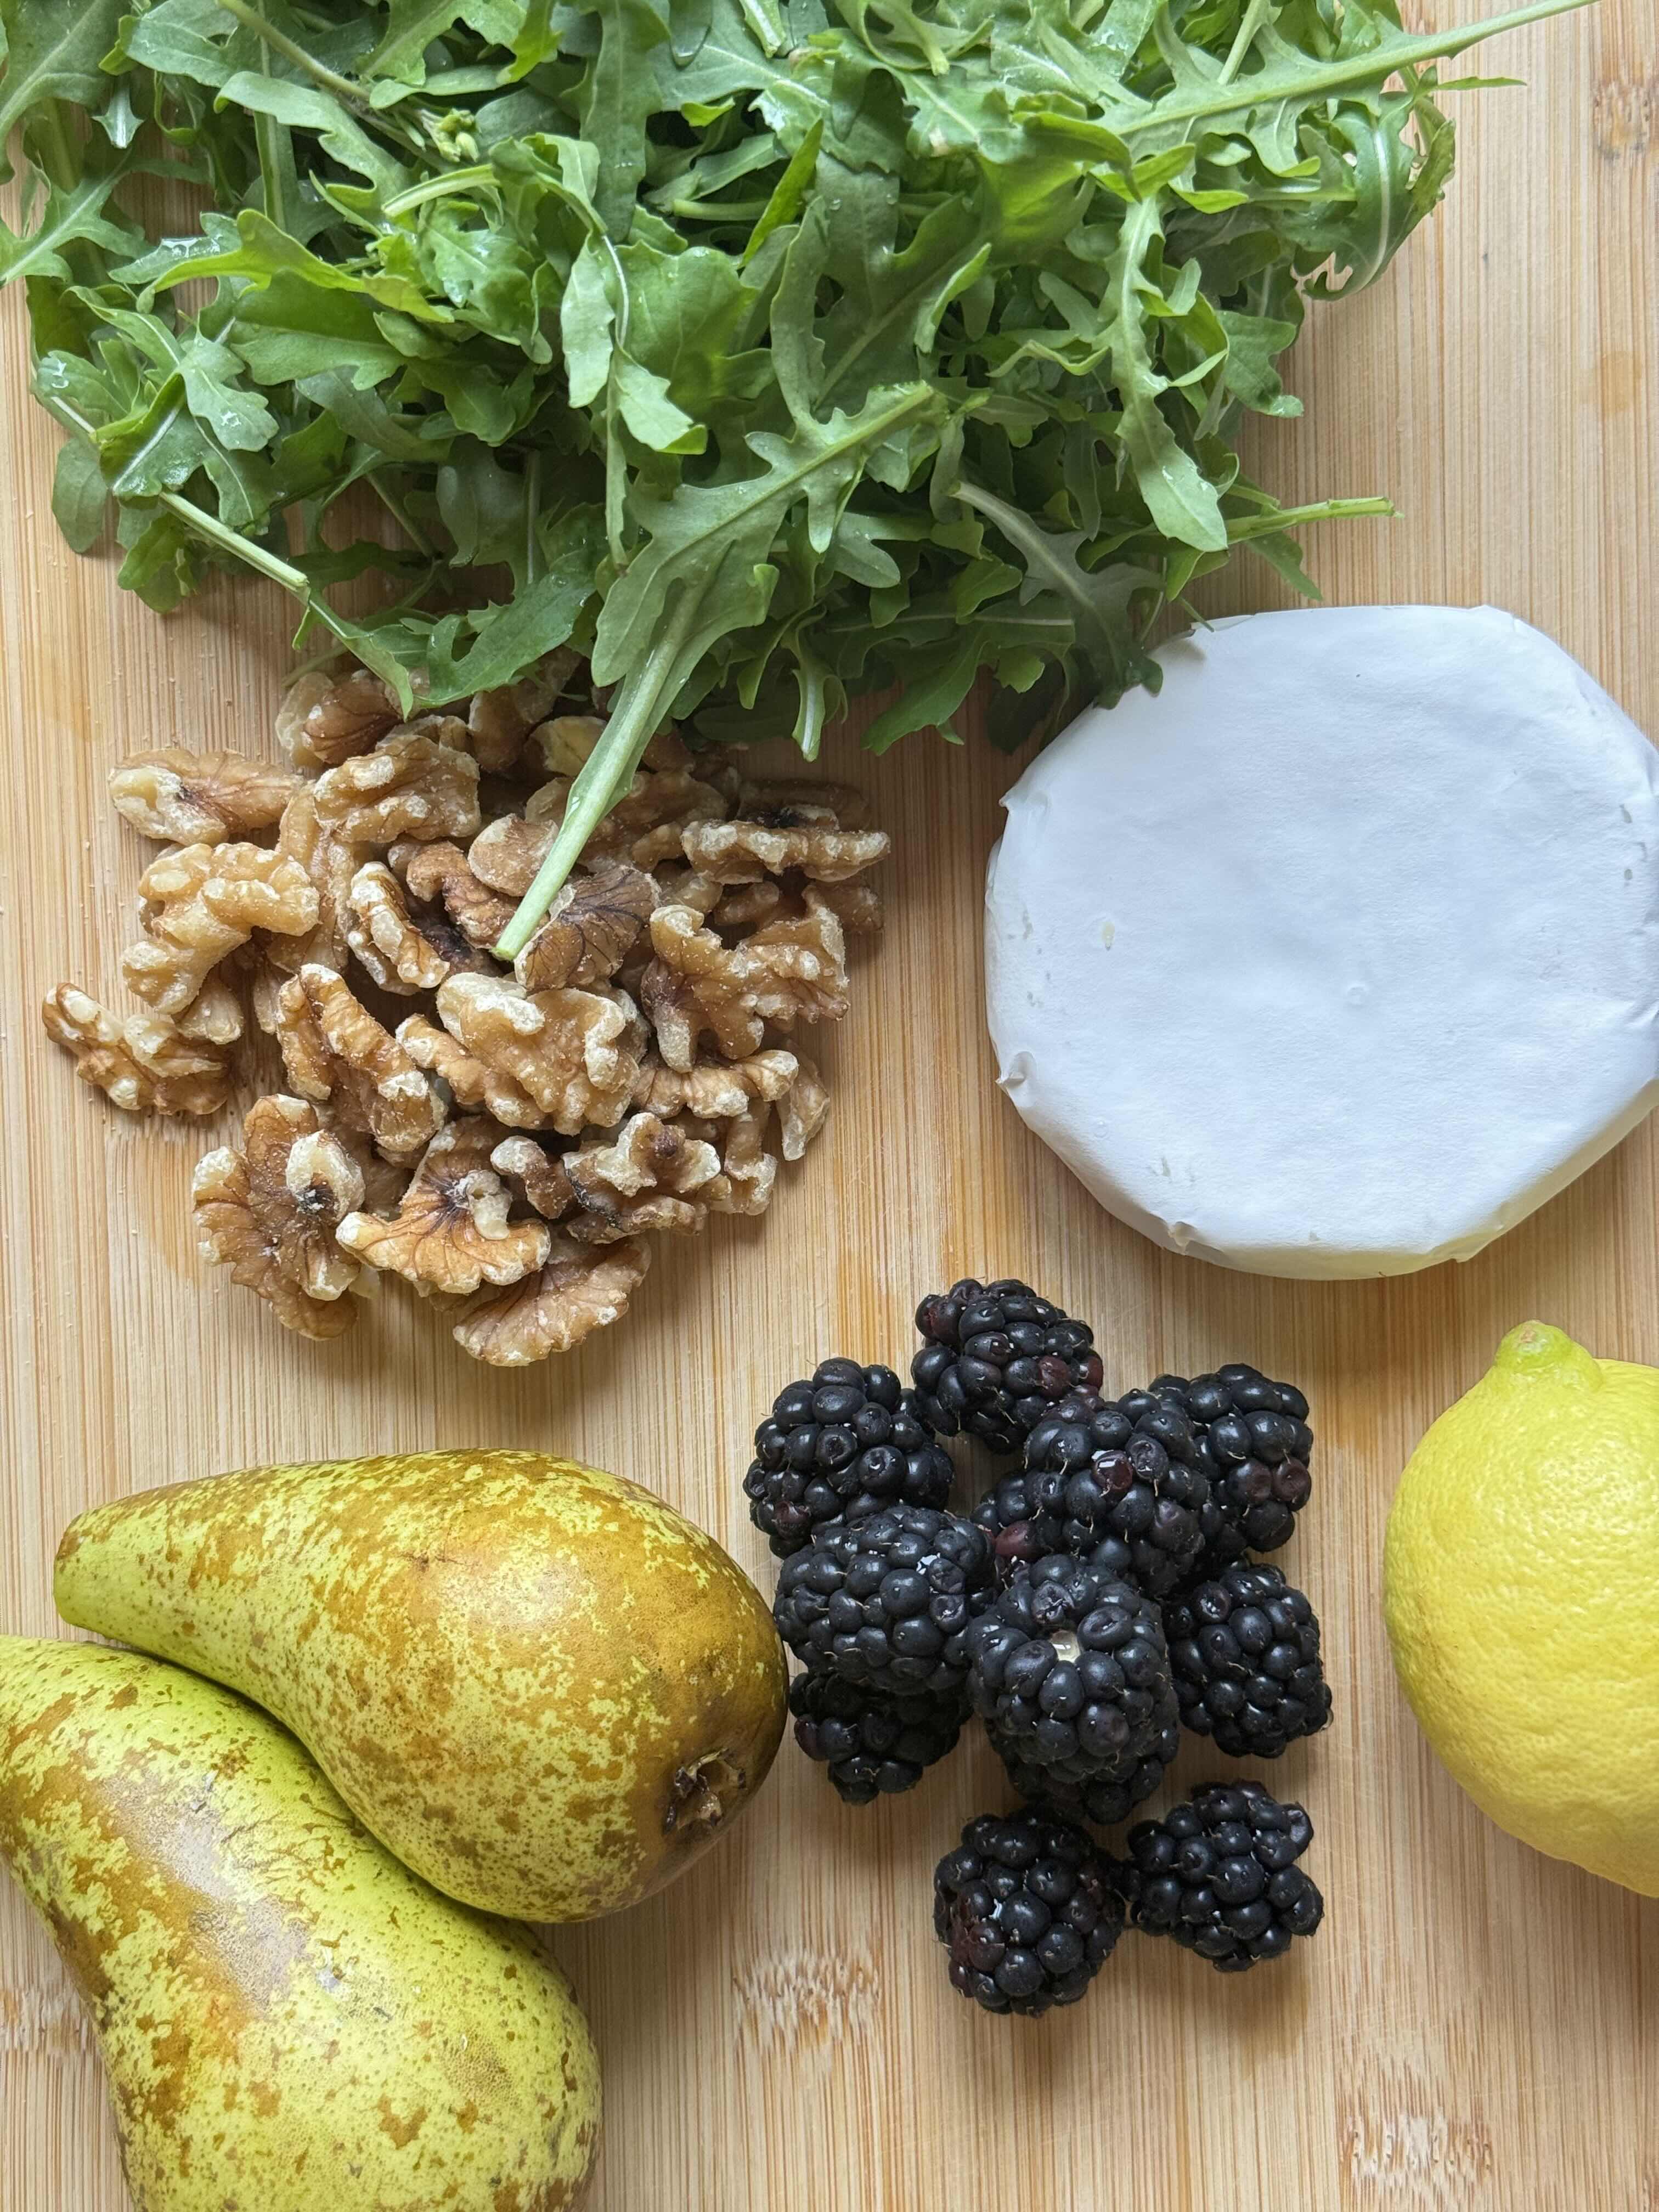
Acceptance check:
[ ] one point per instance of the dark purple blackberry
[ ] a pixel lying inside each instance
(874, 1745)
(885, 1601)
(1106, 1800)
(1125, 1488)
(1245, 1652)
(1025, 1905)
(1254, 1443)
(1219, 1874)
(996, 1358)
(1070, 1674)
(843, 1444)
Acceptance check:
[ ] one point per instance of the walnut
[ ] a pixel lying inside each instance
(265, 991)
(507, 852)
(802, 1110)
(404, 950)
(215, 1016)
(857, 907)
(324, 719)
(696, 984)
(842, 804)
(335, 1049)
(199, 798)
(384, 1184)
(451, 1232)
(683, 886)
(592, 927)
(144, 1064)
(440, 871)
(467, 1079)
(743, 906)
(576, 1293)
(329, 863)
(501, 721)
(565, 743)
(743, 852)
(539, 1176)
(410, 786)
(653, 1175)
(442, 727)
(644, 827)
(798, 967)
(200, 903)
(714, 1090)
(269, 1212)
(564, 1057)
(747, 1170)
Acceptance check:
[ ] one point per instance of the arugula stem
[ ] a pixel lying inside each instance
(642, 705)
(1331, 77)
(260, 557)
(271, 140)
(400, 514)
(1243, 528)
(317, 608)
(290, 49)
(436, 188)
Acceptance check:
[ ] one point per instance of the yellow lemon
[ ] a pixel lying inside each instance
(1520, 1586)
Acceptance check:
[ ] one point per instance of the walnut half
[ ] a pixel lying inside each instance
(334, 1049)
(451, 1232)
(576, 1293)
(199, 798)
(200, 904)
(559, 1058)
(144, 1064)
(269, 1210)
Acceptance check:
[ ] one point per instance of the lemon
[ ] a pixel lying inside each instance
(1520, 1587)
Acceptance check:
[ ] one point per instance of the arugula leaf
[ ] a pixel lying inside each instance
(778, 351)
(52, 52)
(72, 214)
(413, 25)
(80, 497)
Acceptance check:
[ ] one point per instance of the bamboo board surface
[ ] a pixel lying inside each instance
(1476, 2026)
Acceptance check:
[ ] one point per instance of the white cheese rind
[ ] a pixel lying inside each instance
(1340, 956)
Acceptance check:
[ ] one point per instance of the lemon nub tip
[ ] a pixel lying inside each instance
(1536, 1351)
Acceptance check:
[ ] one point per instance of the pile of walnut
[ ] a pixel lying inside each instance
(511, 1139)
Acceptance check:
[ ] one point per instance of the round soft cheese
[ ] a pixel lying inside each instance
(1339, 955)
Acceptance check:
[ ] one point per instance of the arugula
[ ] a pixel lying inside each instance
(776, 352)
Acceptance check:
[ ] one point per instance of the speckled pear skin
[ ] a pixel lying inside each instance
(288, 2017)
(537, 1684)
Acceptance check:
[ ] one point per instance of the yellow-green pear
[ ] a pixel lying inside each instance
(537, 1684)
(288, 2018)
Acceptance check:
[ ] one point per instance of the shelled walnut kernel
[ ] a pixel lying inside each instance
(503, 1141)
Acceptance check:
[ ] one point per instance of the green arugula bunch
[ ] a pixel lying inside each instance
(773, 350)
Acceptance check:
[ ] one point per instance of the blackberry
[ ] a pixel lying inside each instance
(996, 1358)
(1255, 1444)
(1245, 1652)
(1070, 1673)
(886, 1602)
(1026, 1907)
(1219, 1874)
(843, 1444)
(1106, 1800)
(874, 1745)
(1127, 1488)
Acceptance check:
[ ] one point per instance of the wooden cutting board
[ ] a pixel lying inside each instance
(1475, 2026)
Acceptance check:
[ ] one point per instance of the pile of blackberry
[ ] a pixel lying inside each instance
(1105, 1592)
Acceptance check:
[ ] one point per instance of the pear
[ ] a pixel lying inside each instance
(286, 2014)
(537, 1685)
